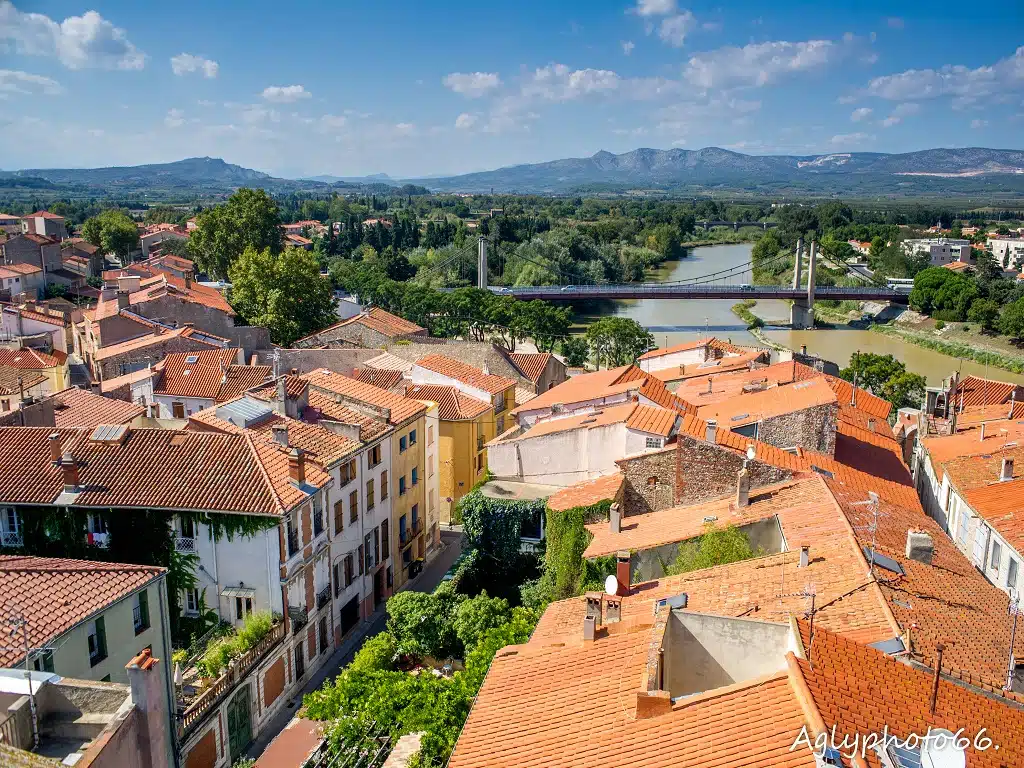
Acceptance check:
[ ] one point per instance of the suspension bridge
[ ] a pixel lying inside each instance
(734, 283)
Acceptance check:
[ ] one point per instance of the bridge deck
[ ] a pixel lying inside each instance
(661, 291)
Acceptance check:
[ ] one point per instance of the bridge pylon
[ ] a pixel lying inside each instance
(801, 314)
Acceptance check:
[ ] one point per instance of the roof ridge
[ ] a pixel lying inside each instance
(263, 470)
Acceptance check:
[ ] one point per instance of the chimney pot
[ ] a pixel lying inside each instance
(919, 546)
(982, 438)
(615, 518)
(594, 606)
(294, 371)
(589, 629)
(280, 434)
(743, 487)
(871, 425)
(623, 571)
(712, 430)
(297, 466)
(805, 555)
(123, 300)
(1007, 471)
(612, 609)
(55, 451)
(69, 472)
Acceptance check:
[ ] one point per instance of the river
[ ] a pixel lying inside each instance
(673, 322)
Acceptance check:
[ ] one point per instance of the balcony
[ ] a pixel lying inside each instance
(293, 542)
(323, 597)
(97, 539)
(417, 526)
(299, 617)
(318, 524)
(186, 544)
(10, 539)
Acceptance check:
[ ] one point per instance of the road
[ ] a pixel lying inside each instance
(427, 581)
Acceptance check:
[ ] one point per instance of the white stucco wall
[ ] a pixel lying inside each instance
(674, 360)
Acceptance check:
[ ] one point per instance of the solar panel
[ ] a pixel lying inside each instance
(244, 413)
(820, 471)
(882, 561)
(109, 433)
(902, 757)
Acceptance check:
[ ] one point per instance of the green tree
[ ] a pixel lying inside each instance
(575, 351)
(113, 231)
(422, 623)
(175, 246)
(886, 377)
(985, 312)
(283, 292)
(618, 340)
(249, 219)
(473, 617)
(941, 292)
(765, 259)
(905, 390)
(1012, 321)
(716, 546)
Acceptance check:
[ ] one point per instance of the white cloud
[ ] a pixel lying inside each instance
(846, 139)
(206, 103)
(186, 64)
(963, 85)
(285, 94)
(79, 42)
(175, 118)
(862, 113)
(257, 113)
(976, 123)
(13, 81)
(654, 7)
(404, 129)
(556, 82)
(757, 64)
(472, 84)
(697, 115)
(674, 29)
(465, 121)
(900, 111)
(628, 46)
(333, 121)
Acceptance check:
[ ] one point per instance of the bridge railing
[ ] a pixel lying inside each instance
(703, 290)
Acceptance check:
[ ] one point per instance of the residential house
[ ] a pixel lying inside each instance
(498, 391)
(415, 525)
(542, 369)
(571, 449)
(940, 250)
(176, 266)
(46, 224)
(18, 279)
(34, 250)
(151, 237)
(282, 564)
(10, 225)
(372, 328)
(17, 385)
(184, 383)
(141, 352)
(82, 257)
(298, 241)
(699, 353)
(53, 365)
(37, 324)
(862, 247)
(1007, 251)
(78, 408)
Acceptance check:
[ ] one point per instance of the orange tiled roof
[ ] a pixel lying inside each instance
(163, 283)
(32, 358)
(532, 364)
(210, 375)
(39, 239)
(974, 390)
(40, 317)
(153, 339)
(683, 347)
(16, 380)
(942, 449)
(375, 319)
(55, 594)
(402, 408)
(586, 386)
(154, 468)
(467, 374)
(642, 418)
(43, 215)
(379, 377)
(973, 416)
(749, 407)
(1002, 506)
(452, 405)
(587, 493)
(324, 407)
(75, 407)
(957, 266)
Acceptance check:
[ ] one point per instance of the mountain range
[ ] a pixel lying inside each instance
(972, 171)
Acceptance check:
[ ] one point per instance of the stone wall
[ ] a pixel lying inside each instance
(687, 472)
(813, 429)
(342, 361)
(136, 359)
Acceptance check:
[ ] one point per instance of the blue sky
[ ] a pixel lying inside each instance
(414, 88)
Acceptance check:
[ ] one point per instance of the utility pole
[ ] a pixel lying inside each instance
(481, 264)
(15, 622)
(1015, 610)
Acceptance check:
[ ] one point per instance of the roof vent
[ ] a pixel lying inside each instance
(192, 359)
(1006, 472)
(740, 416)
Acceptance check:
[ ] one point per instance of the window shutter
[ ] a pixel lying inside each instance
(101, 637)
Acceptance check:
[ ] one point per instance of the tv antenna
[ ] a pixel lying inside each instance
(871, 527)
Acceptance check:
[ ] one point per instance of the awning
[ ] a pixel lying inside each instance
(238, 592)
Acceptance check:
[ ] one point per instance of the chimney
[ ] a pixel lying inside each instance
(803, 349)
(297, 466)
(594, 606)
(149, 698)
(55, 451)
(919, 547)
(1007, 470)
(589, 629)
(280, 434)
(281, 396)
(805, 555)
(982, 433)
(615, 518)
(69, 470)
(188, 281)
(612, 609)
(622, 571)
(871, 425)
(123, 300)
(712, 430)
(709, 385)
(743, 486)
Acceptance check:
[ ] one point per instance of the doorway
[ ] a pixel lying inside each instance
(239, 723)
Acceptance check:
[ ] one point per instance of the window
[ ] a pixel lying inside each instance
(323, 634)
(1011, 574)
(383, 485)
(401, 485)
(403, 444)
(375, 455)
(337, 581)
(430, 465)
(43, 662)
(140, 612)
(385, 543)
(430, 498)
(339, 516)
(412, 437)
(961, 534)
(353, 506)
(188, 528)
(653, 442)
(368, 551)
(300, 662)
(350, 569)
(370, 501)
(499, 402)
(430, 435)
(415, 476)
(996, 557)
(415, 519)
(191, 601)
(292, 531)
(361, 561)
(318, 514)
(479, 463)
(501, 424)
(97, 642)
(747, 430)
(348, 472)
(376, 545)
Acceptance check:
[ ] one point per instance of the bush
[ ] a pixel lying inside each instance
(421, 623)
(475, 616)
(717, 546)
(220, 652)
(940, 324)
(377, 654)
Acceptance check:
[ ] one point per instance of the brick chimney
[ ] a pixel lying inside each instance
(69, 470)
(594, 606)
(297, 466)
(149, 698)
(123, 300)
(743, 486)
(1007, 470)
(55, 451)
(612, 609)
(615, 518)
(622, 571)
(711, 431)
(280, 434)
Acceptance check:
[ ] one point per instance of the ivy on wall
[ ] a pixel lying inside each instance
(492, 526)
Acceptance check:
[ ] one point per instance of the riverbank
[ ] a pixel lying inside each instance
(968, 350)
(745, 235)
(755, 324)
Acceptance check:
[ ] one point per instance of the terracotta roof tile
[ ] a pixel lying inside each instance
(642, 418)
(402, 408)
(208, 374)
(155, 339)
(375, 319)
(41, 317)
(532, 364)
(452, 404)
(326, 408)
(998, 435)
(75, 407)
(32, 358)
(683, 347)
(385, 379)
(747, 408)
(974, 390)
(23, 269)
(467, 374)
(15, 380)
(587, 493)
(56, 594)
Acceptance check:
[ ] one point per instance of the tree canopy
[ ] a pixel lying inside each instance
(618, 340)
(114, 232)
(886, 377)
(249, 219)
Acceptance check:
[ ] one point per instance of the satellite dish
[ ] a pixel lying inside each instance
(939, 750)
(611, 585)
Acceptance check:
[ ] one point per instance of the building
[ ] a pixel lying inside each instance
(140, 352)
(36, 324)
(1007, 251)
(18, 385)
(940, 250)
(184, 383)
(10, 225)
(482, 385)
(152, 237)
(53, 365)
(76, 408)
(372, 328)
(710, 354)
(34, 250)
(46, 224)
(17, 279)
(82, 257)
(414, 523)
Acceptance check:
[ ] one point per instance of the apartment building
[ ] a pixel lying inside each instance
(46, 224)
(940, 250)
(184, 383)
(1007, 251)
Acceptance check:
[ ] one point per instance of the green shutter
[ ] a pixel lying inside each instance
(144, 607)
(101, 638)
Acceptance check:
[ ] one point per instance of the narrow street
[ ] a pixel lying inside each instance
(427, 581)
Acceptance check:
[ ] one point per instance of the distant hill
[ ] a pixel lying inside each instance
(371, 179)
(932, 171)
(200, 171)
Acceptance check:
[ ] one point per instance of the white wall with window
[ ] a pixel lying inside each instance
(10, 528)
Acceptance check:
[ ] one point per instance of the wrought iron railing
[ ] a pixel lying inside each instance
(323, 597)
(298, 617)
(293, 542)
(185, 544)
(11, 539)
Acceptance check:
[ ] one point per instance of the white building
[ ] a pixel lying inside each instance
(1007, 251)
(940, 250)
